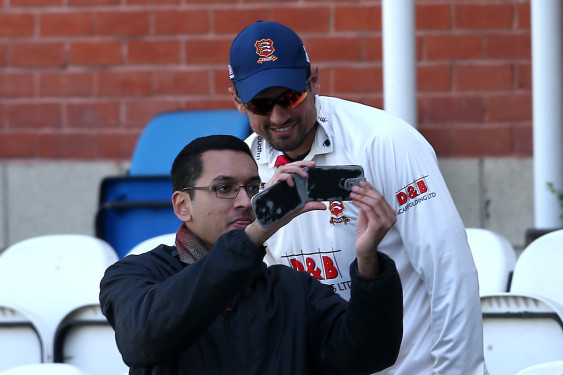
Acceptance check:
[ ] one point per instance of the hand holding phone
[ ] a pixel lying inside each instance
(325, 183)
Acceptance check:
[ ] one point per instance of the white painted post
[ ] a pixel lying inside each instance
(547, 90)
(399, 59)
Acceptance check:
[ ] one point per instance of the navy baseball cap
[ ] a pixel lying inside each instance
(267, 54)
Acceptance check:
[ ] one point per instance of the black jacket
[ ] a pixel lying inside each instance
(230, 314)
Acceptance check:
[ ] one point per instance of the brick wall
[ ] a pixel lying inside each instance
(79, 79)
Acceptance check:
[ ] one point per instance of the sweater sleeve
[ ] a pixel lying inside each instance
(436, 245)
(158, 307)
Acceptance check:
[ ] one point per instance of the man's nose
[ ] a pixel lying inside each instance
(279, 114)
(242, 199)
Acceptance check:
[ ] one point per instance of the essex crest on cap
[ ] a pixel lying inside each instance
(265, 49)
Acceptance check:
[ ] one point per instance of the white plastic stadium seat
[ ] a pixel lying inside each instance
(85, 339)
(539, 269)
(151, 243)
(494, 258)
(44, 369)
(20, 340)
(547, 368)
(52, 275)
(520, 331)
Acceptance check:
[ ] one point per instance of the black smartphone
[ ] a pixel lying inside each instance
(275, 202)
(331, 183)
(326, 183)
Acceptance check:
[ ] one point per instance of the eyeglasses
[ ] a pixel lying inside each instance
(228, 191)
(264, 107)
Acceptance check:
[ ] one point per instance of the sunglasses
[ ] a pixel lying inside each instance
(288, 100)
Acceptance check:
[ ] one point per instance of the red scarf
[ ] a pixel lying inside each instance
(190, 248)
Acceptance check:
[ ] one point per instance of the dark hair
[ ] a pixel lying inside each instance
(187, 166)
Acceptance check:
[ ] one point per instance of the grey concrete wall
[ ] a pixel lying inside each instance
(39, 198)
(493, 193)
(50, 198)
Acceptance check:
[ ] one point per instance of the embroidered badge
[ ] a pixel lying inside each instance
(265, 49)
(336, 210)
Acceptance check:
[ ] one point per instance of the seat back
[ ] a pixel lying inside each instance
(53, 274)
(167, 134)
(520, 331)
(151, 243)
(85, 339)
(547, 368)
(20, 338)
(539, 269)
(44, 369)
(494, 259)
(134, 208)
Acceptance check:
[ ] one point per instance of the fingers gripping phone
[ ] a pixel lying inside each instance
(325, 183)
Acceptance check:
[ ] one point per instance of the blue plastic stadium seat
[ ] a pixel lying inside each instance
(167, 133)
(132, 209)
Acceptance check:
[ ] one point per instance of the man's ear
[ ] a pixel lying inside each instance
(182, 205)
(241, 108)
(315, 80)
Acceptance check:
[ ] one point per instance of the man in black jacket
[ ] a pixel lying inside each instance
(209, 305)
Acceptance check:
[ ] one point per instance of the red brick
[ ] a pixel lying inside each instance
(181, 82)
(453, 47)
(66, 24)
(175, 22)
(335, 49)
(18, 145)
(154, 52)
(40, 54)
(232, 21)
(136, 83)
(65, 84)
(474, 141)
(221, 83)
(483, 16)
(452, 109)
(299, 19)
(153, 2)
(207, 2)
(87, 3)
(212, 103)
(524, 76)
(207, 51)
(367, 79)
(419, 44)
(3, 56)
(35, 3)
(67, 145)
(440, 139)
(483, 77)
(509, 107)
(508, 46)
(433, 17)
(117, 145)
(96, 53)
(434, 77)
(123, 23)
(354, 18)
(138, 113)
(523, 140)
(523, 16)
(34, 115)
(373, 47)
(16, 25)
(93, 115)
(14, 85)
